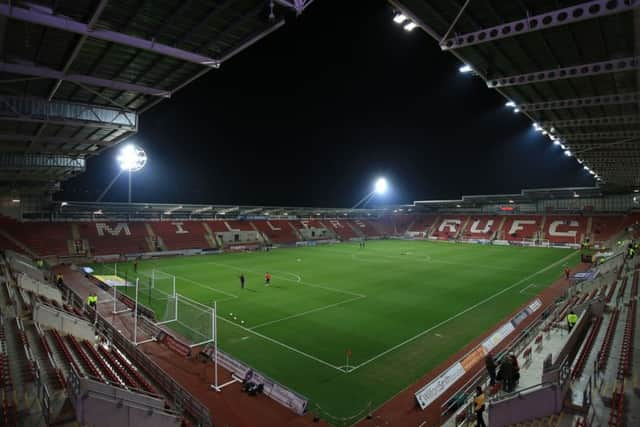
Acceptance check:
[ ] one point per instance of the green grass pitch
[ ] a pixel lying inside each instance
(401, 307)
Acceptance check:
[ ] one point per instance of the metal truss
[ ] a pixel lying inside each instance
(33, 70)
(555, 18)
(53, 139)
(298, 5)
(37, 16)
(18, 161)
(597, 136)
(76, 50)
(592, 101)
(68, 113)
(583, 70)
(595, 121)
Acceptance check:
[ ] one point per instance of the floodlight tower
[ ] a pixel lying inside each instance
(131, 159)
(380, 187)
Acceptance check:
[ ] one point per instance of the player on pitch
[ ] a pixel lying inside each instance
(267, 279)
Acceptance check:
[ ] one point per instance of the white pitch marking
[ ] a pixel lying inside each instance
(439, 335)
(293, 316)
(466, 310)
(232, 296)
(340, 291)
(526, 287)
(244, 338)
(288, 347)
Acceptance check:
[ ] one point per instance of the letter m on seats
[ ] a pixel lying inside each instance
(105, 229)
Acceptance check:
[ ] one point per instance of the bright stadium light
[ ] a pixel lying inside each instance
(131, 159)
(410, 26)
(381, 186)
(585, 167)
(557, 142)
(465, 69)
(516, 110)
(567, 153)
(510, 104)
(536, 127)
(400, 18)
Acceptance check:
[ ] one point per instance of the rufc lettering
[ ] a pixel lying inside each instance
(121, 227)
(451, 224)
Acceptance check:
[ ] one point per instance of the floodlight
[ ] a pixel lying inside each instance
(579, 161)
(465, 69)
(400, 18)
(132, 158)
(586, 167)
(592, 172)
(544, 132)
(63, 204)
(563, 146)
(536, 126)
(557, 142)
(567, 153)
(575, 194)
(516, 110)
(15, 200)
(381, 186)
(636, 191)
(510, 104)
(410, 26)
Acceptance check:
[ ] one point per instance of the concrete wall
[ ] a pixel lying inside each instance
(243, 236)
(24, 264)
(52, 318)
(541, 402)
(37, 287)
(100, 405)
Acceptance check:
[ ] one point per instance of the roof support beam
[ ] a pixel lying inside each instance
(595, 121)
(596, 136)
(298, 5)
(592, 101)
(543, 21)
(78, 47)
(69, 25)
(17, 161)
(575, 71)
(53, 139)
(48, 73)
(41, 110)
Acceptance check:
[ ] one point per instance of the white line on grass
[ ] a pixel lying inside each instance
(466, 310)
(295, 350)
(526, 287)
(304, 313)
(230, 295)
(340, 291)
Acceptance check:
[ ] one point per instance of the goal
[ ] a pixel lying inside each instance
(543, 243)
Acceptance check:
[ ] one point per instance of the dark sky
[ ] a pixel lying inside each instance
(314, 112)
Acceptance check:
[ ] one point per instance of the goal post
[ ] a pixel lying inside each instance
(541, 243)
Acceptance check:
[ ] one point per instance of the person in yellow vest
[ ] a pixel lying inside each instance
(478, 407)
(92, 300)
(572, 319)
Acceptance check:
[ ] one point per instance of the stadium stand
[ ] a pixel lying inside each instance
(108, 238)
(481, 227)
(341, 228)
(520, 227)
(565, 229)
(278, 231)
(181, 234)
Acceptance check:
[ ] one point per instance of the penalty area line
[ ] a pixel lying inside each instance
(288, 347)
(466, 310)
(304, 313)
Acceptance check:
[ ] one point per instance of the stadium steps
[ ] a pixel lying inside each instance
(500, 230)
(332, 232)
(23, 248)
(543, 223)
(296, 232)
(463, 228)
(550, 421)
(436, 221)
(209, 236)
(355, 229)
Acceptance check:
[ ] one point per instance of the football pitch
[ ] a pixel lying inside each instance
(400, 307)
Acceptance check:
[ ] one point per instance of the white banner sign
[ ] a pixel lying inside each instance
(497, 337)
(435, 388)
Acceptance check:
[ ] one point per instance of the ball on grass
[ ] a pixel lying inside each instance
(242, 321)
(230, 314)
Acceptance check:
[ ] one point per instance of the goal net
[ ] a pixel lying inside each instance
(194, 321)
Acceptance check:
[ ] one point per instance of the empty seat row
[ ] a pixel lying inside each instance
(98, 361)
(62, 347)
(603, 354)
(26, 366)
(616, 416)
(133, 372)
(586, 348)
(128, 379)
(54, 373)
(626, 354)
(89, 367)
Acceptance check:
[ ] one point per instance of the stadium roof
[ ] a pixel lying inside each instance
(76, 75)
(572, 68)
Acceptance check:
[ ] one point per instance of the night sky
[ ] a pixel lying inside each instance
(313, 113)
